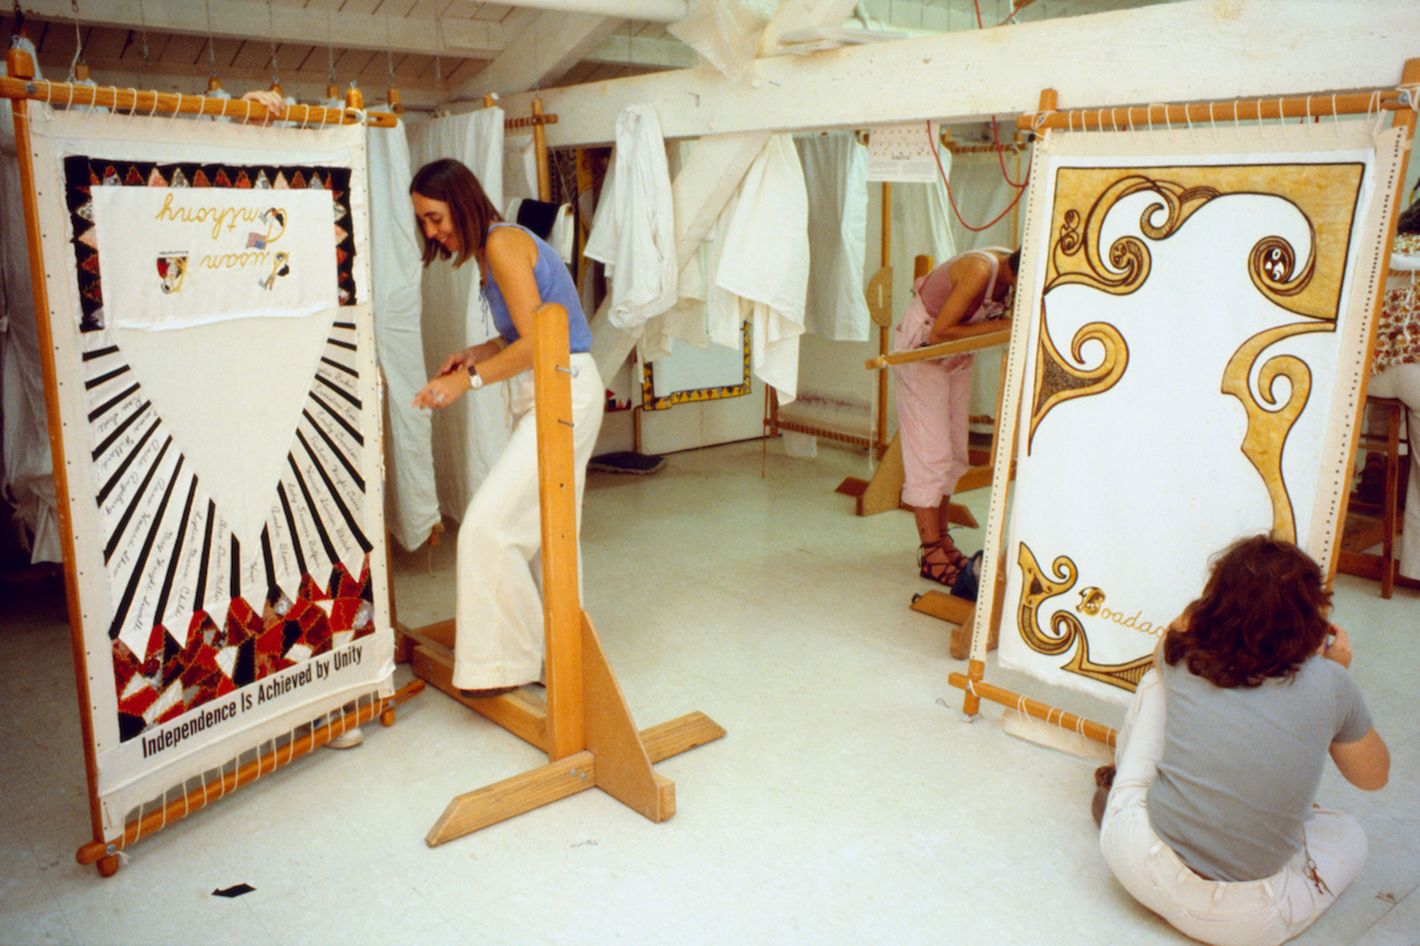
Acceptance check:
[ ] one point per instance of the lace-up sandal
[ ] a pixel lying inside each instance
(939, 562)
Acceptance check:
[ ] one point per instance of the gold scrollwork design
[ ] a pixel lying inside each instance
(1066, 630)
(1058, 381)
(1268, 421)
(1128, 258)
(1272, 266)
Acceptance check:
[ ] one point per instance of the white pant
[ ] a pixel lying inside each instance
(1403, 381)
(499, 625)
(1251, 913)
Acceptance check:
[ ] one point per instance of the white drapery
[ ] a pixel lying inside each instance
(469, 436)
(25, 462)
(836, 177)
(397, 250)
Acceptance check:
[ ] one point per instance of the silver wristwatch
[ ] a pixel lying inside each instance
(475, 381)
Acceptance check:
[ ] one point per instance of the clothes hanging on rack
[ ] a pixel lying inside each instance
(633, 232)
(763, 270)
(553, 222)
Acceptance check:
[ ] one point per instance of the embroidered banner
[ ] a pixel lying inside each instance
(1191, 338)
(223, 473)
(175, 256)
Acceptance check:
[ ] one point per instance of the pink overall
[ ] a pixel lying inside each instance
(934, 397)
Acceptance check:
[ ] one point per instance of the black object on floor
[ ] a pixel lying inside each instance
(626, 461)
(234, 891)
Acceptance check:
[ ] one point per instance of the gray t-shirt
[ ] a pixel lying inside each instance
(1241, 765)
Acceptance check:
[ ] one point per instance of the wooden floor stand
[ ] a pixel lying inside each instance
(958, 612)
(884, 491)
(582, 721)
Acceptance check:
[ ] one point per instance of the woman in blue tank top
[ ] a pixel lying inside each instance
(499, 630)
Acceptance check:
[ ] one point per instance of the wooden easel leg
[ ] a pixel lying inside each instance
(623, 766)
(500, 801)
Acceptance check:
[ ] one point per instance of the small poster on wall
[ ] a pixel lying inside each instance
(903, 152)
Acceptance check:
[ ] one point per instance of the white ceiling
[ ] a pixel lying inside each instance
(434, 51)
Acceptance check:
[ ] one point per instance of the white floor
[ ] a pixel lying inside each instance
(848, 804)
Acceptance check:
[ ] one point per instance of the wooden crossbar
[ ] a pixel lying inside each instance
(1139, 117)
(105, 853)
(150, 103)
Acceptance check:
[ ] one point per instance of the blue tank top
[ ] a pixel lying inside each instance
(554, 284)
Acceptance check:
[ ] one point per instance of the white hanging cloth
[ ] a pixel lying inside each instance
(25, 461)
(397, 252)
(471, 435)
(763, 270)
(520, 166)
(982, 192)
(836, 176)
(921, 223)
(634, 229)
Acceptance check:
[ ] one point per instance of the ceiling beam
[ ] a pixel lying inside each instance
(655, 11)
(1189, 50)
(540, 54)
(256, 21)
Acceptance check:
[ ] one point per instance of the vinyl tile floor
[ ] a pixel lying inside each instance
(849, 803)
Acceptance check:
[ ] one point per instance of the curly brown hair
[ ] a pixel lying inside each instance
(1262, 612)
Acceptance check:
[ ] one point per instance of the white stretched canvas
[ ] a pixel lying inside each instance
(1188, 354)
(221, 429)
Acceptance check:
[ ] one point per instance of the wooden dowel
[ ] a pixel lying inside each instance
(1142, 117)
(140, 102)
(544, 176)
(19, 64)
(532, 121)
(954, 346)
(1404, 120)
(199, 798)
(1034, 708)
(827, 433)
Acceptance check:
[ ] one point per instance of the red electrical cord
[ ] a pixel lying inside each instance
(951, 197)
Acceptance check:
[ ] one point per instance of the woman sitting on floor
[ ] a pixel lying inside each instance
(1210, 821)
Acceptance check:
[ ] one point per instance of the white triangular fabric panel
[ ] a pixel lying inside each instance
(396, 268)
(763, 271)
(634, 229)
(24, 439)
(469, 436)
(519, 167)
(836, 177)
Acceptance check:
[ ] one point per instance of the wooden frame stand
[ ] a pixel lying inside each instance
(19, 88)
(584, 725)
(986, 625)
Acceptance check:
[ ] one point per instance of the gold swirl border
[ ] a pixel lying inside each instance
(1068, 631)
(1268, 422)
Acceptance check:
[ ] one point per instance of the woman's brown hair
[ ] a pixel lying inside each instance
(470, 210)
(1262, 612)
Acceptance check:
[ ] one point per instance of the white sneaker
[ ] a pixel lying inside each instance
(347, 740)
